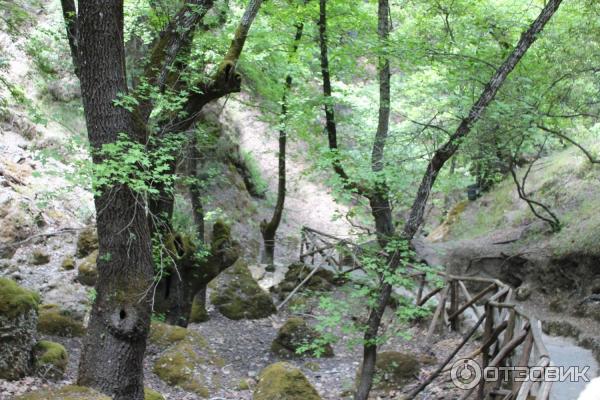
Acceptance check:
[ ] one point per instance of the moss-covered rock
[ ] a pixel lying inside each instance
(164, 335)
(39, 257)
(68, 263)
(199, 313)
(18, 320)
(321, 281)
(51, 359)
(87, 273)
(65, 393)
(283, 381)
(150, 394)
(15, 300)
(54, 321)
(184, 365)
(87, 242)
(295, 334)
(394, 369)
(238, 296)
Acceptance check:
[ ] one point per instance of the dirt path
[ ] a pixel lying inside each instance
(309, 202)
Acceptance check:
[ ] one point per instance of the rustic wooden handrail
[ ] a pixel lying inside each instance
(511, 337)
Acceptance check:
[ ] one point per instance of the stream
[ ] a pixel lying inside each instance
(566, 353)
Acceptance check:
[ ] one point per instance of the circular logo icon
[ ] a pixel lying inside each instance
(466, 374)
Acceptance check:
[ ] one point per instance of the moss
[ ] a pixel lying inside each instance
(239, 296)
(165, 335)
(15, 300)
(283, 381)
(177, 368)
(51, 359)
(199, 313)
(54, 321)
(38, 257)
(243, 384)
(87, 272)
(221, 234)
(150, 394)
(87, 242)
(64, 393)
(296, 333)
(68, 264)
(312, 366)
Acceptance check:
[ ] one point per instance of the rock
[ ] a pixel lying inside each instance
(68, 263)
(72, 299)
(51, 359)
(65, 89)
(87, 273)
(394, 369)
(16, 224)
(18, 320)
(38, 257)
(296, 334)
(523, 292)
(322, 280)
(57, 322)
(237, 295)
(283, 381)
(184, 364)
(87, 242)
(164, 335)
(243, 384)
(65, 393)
(150, 394)
(199, 313)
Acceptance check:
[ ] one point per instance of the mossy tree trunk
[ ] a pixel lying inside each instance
(114, 346)
(269, 229)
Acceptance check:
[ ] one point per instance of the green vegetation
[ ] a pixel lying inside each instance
(284, 381)
(15, 300)
(51, 359)
(54, 321)
(64, 393)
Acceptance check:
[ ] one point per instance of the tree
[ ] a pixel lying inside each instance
(378, 192)
(269, 229)
(120, 316)
(116, 120)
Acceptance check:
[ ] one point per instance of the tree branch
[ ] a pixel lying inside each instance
(587, 153)
(445, 152)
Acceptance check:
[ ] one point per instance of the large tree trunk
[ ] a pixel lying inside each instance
(437, 162)
(269, 229)
(114, 346)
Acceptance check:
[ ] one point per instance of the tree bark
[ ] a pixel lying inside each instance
(437, 162)
(114, 346)
(269, 229)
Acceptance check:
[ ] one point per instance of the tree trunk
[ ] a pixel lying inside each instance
(114, 346)
(269, 229)
(378, 200)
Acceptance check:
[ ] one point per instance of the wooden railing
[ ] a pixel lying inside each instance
(509, 337)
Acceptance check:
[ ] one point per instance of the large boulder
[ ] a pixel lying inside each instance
(65, 89)
(282, 381)
(18, 320)
(296, 335)
(322, 280)
(185, 363)
(64, 393)
(51, 359)
(238, 296)
(87, 272)
(394, 370)
(87, 242)
(57, 322)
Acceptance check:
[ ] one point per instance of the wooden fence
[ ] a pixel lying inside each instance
(480, 308)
